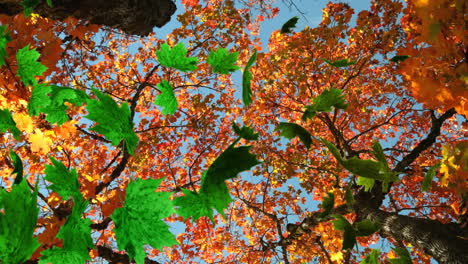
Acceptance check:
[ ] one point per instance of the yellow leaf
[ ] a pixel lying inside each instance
(337, 256)
(40, 142)
(24, 122)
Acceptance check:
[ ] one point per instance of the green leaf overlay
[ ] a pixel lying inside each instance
(4, 39)
(349, 236)
(29, 6)
(166, 99)
(246, 78)
(76, 236)
(214, 193)
(114, 122)
(404, 256)
(18, 219)
(7, 122)
(399, 58)
(370, 170)
(18, 167)
(373, 257)
(223, 62)
(245, 132)
(427, 182)
(340, 63)
(327, 204)
(139, 222)
(50, 100)
(28, 66)
(324, 103)
(367, 227)
(349, 197)
(176, 57)
(64, 182)
(289, 25)
(291, 130)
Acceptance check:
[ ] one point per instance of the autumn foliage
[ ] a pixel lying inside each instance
(320, 146)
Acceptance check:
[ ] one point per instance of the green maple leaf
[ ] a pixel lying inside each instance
(245, 132)
(4, 39)
(114, 122)
(50, 100)
(166, 98)
(324, 103)
(349, 236)
(28, 66)
(176, 57)
(291, 130)
(427, 182)
(404, 256)
(223, 62)
(289, 25)
(367, 227)
(18, 167)
(373, 258)
(7, 122)
(77, 240)
(246, 78)
(18, 217)
(214, 193)
(64, 182)
(399, 58)
(368, 170)
(327, 204)
(340, 63)
(139, 222)
(29, 6)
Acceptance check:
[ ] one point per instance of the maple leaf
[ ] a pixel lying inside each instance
(24, 122)
(50, 100)
(372, 258)
(166, 98)
(40, 142)
(139, 222)
(245, 132)
(399, 58)
(7, 122)
(367, 227)
(340, 63)
(289, 25)
(349, 236)
(18, 217)
(196, 205)
(29, 6)
(324, 103)
(404, 256)
(176, 57)
(64, 182)
(4, 39)
(18, 167)
(114, 122)
(77, 240)
(28, 67)
(327, 204)
(246, 78)
(427, 182)
(291, 130)
(223, 62)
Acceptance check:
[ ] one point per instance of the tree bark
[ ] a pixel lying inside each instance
(137, 17)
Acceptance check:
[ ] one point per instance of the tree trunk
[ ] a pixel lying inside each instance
(136, 17)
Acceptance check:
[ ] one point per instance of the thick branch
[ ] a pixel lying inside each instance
(115, 173)
(114, 257)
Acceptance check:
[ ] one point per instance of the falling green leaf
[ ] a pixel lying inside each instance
(324, 103)
(166, 99)
(404, 256)
(223, 62)
(373, 257)
(49, 3)
(427, 182)
(245, 132)
(29, 6)
(176, 57)
(367, 227)
(399, 58)
(349, 198)
(18, 167)
(289, 25)
(114, 122)
(50, 100)
(4, 39)
(64, 182)
(340, 63)
(18, 219)
(28, 66)
(327, 204)
(349, 236)
(246, 78)
(291, 130)
(139, 222)
(56, 255)
(7, 122)
(368, 183)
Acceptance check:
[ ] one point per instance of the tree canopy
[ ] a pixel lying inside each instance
(343, 142)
